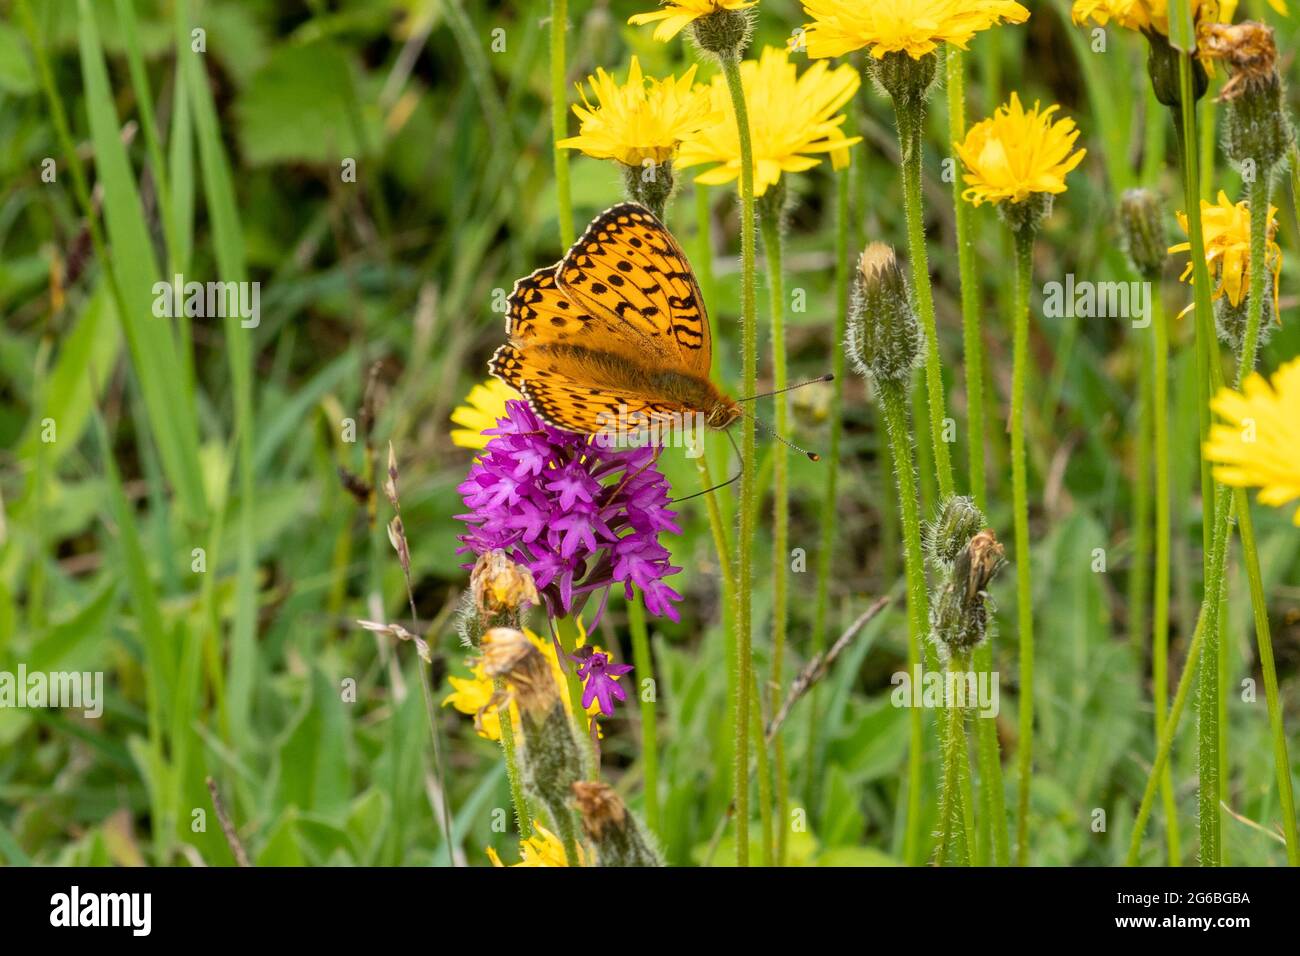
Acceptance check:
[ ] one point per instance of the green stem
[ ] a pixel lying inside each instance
(993, 805)
(1160, 613)
(1260, 196)
(829, 504)
(523, 816)
(559, 118)
(972, 341)
(644, 662)
(1020, 493)
(748, 455)
(911, 128)
(1180, 695)
(896, 423)
(954, 847)
(566, 629)
(770, 223)
(764, 771)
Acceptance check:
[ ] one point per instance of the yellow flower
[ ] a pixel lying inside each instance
(484, 404)
(1016, 153)
(643, 119)
(473, 695)
(1226, 230)
(1152, 15)
(1259, 445)
(677, 15)
(544, 848)
(914, 27)
(790, 117)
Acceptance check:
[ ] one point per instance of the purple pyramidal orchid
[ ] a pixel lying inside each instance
(597, 675)
(581, 517)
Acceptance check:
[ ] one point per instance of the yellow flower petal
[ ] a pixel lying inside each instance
(791, 119)
(1257, 445)
(1018, 152)
(643, 119)
(914, 27)
(484, 405)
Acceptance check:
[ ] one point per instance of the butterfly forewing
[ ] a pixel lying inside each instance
(628, 271)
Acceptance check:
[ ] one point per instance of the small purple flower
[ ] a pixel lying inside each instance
(579, 516)
(597, 675)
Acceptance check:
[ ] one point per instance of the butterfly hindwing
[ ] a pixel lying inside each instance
(564, 403)
(629, 271)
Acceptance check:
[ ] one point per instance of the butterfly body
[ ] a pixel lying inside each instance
(617, 328)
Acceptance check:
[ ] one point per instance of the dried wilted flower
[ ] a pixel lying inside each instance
(959, 619)
(1248, 50)
(508, 654)
(1257, 133)
(615, 832)
(500, 586)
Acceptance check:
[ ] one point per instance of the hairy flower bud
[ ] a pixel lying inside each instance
(1256, 129)
(907, 81)
(724, 33)
(1230, 320)
(957, 522)
(1028, 214)
(650, 185)
(613, 830)
(1143, 232)
(1162, 67)
(959, 615)
(884, 335)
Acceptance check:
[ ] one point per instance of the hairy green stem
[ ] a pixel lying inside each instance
(893, 401)
(770, 221)
(1020, 495)
(1160, 612)
(972, 341)
(743, 593)
(523, 816)
(829, 504)
(911, 129)
(644, 662)
(1260, 196)
(559, 118)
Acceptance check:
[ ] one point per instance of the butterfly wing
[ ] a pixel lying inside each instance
(564, 402)
(631, 279)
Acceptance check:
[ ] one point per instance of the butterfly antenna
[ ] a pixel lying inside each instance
(767, 429)
(828, 377)
(734, 478)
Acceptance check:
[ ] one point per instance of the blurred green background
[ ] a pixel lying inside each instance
(380, 303)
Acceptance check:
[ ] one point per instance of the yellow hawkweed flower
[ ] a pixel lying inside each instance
(914, 27)
(677, 15)
(790, 117)
(543, 848)
(1151, 15)
(1258, 443)
(484, 404)
(1016, 153)
(473, 695)
(643, 119)
(1226, 230)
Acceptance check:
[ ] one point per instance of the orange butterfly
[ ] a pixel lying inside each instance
(616, 329)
